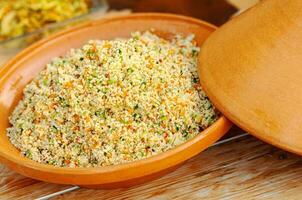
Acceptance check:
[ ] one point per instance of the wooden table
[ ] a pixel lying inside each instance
(242, 168)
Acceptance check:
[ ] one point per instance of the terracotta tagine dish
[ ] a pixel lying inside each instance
(27, 64)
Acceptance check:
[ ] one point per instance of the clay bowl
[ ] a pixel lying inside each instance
(251, 69)
(25, 66)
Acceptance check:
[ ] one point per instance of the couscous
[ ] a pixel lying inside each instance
(112, 102)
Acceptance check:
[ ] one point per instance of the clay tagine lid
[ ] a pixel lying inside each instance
(251, 68)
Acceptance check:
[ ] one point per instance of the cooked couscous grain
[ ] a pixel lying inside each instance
(112, 102)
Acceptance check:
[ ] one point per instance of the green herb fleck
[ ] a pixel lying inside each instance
(194, 52)
(195, 80)
(28, 154)
(112, 81)
(130, 70)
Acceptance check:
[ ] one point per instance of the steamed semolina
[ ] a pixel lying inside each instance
(112, 102)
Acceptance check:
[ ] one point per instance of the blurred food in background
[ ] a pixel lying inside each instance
(18, 17)
(23, 22)
(23, 16)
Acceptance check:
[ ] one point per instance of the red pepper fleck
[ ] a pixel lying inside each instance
(94, 49)
(196, 86)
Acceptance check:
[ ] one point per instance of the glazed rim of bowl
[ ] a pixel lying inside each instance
(125, 171)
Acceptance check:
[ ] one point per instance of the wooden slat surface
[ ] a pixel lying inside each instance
(15, 186)
(246, 168)
(243, 169)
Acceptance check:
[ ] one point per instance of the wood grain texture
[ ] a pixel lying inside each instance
(15, 186)
(246, 168)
